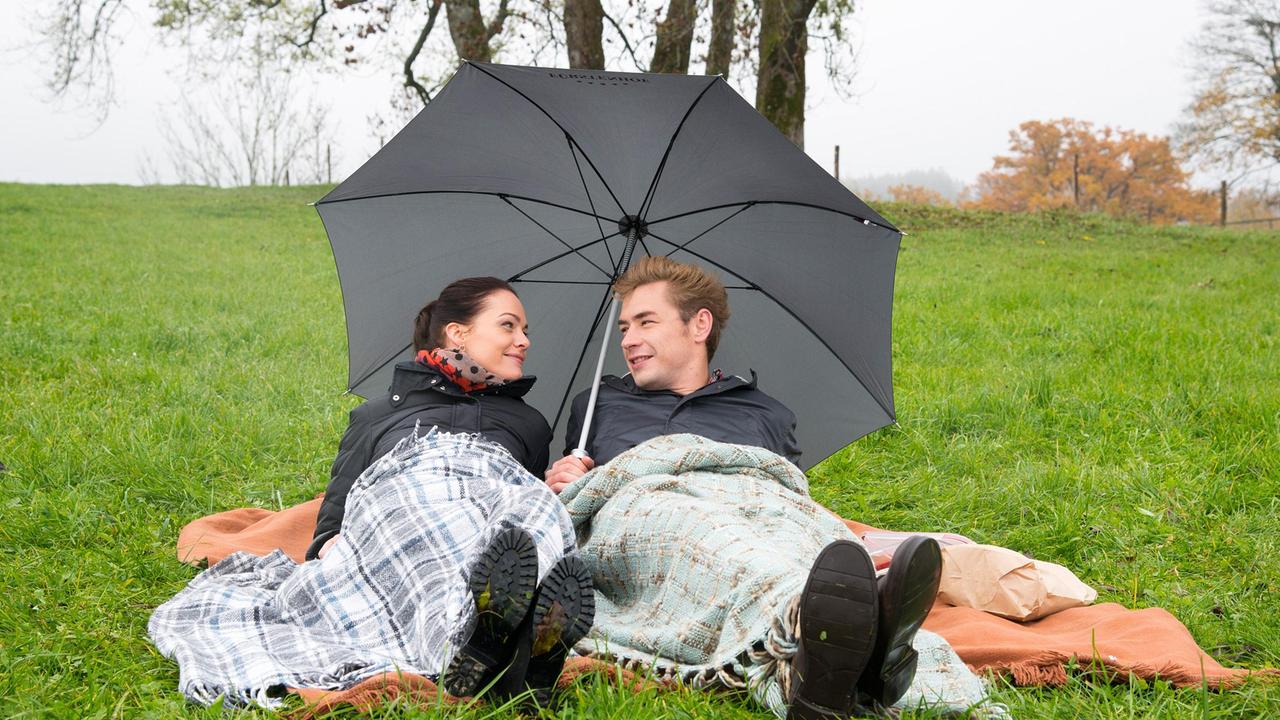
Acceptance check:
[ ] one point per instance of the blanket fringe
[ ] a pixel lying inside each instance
(1050, 669)
(766, 659)
(418, 691)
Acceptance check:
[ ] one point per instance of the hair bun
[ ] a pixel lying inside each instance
(422, 327)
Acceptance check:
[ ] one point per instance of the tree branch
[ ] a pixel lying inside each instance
(315, 22)
(409, 80)
(632, 51)
(495, 25)
(80, 52)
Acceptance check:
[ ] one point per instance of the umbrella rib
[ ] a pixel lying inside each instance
(699, 211)
(563, 282)
(790, 312)
(653, 184)
(862, 220)
(689, 242)
(557, 237)
(513, 278)
(554, 258)
(557, 124)
(590, 202)
(568, 388)
(380, 365)
(580, 211)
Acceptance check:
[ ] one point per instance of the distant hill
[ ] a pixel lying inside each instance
(876, 187)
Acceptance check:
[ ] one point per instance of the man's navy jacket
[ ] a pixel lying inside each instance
(730, 409)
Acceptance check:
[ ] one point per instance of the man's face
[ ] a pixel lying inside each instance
(662, 351)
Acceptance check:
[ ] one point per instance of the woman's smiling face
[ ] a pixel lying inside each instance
(497, 336)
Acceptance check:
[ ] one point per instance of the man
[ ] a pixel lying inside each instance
(671, 320)
(855, 636)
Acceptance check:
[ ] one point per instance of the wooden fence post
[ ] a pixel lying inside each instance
(1075, 180)
(1222, 201)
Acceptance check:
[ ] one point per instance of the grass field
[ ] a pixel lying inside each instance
(1095, 393)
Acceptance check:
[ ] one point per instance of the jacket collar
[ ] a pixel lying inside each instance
(411, 376)
(627, 384)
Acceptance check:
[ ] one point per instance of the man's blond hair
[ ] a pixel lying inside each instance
(689, 287)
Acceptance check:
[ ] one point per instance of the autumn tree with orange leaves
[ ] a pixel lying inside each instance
(1068, 163)
(917, 195)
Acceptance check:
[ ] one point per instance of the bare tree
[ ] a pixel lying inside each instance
(251, 127)
(80, 37)
(1233, 124)
(761, 43)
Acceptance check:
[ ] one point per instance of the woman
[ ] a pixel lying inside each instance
(468, 376)
(437, 550)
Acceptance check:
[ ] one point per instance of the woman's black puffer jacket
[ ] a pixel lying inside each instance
(422, 395)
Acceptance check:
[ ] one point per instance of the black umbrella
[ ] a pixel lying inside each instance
(554, 178)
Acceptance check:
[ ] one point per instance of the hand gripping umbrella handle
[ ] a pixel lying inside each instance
(610, 319)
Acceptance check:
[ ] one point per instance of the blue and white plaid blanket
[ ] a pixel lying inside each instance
(390, 595)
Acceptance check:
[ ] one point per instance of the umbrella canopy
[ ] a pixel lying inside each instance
(542, 176)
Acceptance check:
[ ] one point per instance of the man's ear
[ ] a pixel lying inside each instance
(701, 323)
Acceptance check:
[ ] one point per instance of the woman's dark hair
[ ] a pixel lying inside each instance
(459, 302)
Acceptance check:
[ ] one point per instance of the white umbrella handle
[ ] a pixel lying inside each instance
(610, 319)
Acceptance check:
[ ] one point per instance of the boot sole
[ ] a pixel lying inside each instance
(501, 584)
(838, 621)
(909, 592)
(563, 611)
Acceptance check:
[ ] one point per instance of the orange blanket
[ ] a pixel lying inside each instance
(211, 538)
(1147, 643)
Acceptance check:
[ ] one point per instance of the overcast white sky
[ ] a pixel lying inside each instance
(940, 85)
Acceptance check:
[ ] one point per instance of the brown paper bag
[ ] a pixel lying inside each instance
(1009, 584)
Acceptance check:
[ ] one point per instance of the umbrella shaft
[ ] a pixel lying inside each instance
(610, 319)
(633, 235)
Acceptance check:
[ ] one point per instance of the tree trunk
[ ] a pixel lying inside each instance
(674, 37)
(784, 39)
(583, 28)
(720, 49)
(466, 26)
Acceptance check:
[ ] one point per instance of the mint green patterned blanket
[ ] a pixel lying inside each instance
(699, 551)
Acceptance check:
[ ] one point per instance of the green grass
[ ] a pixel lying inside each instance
(1095, 393)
